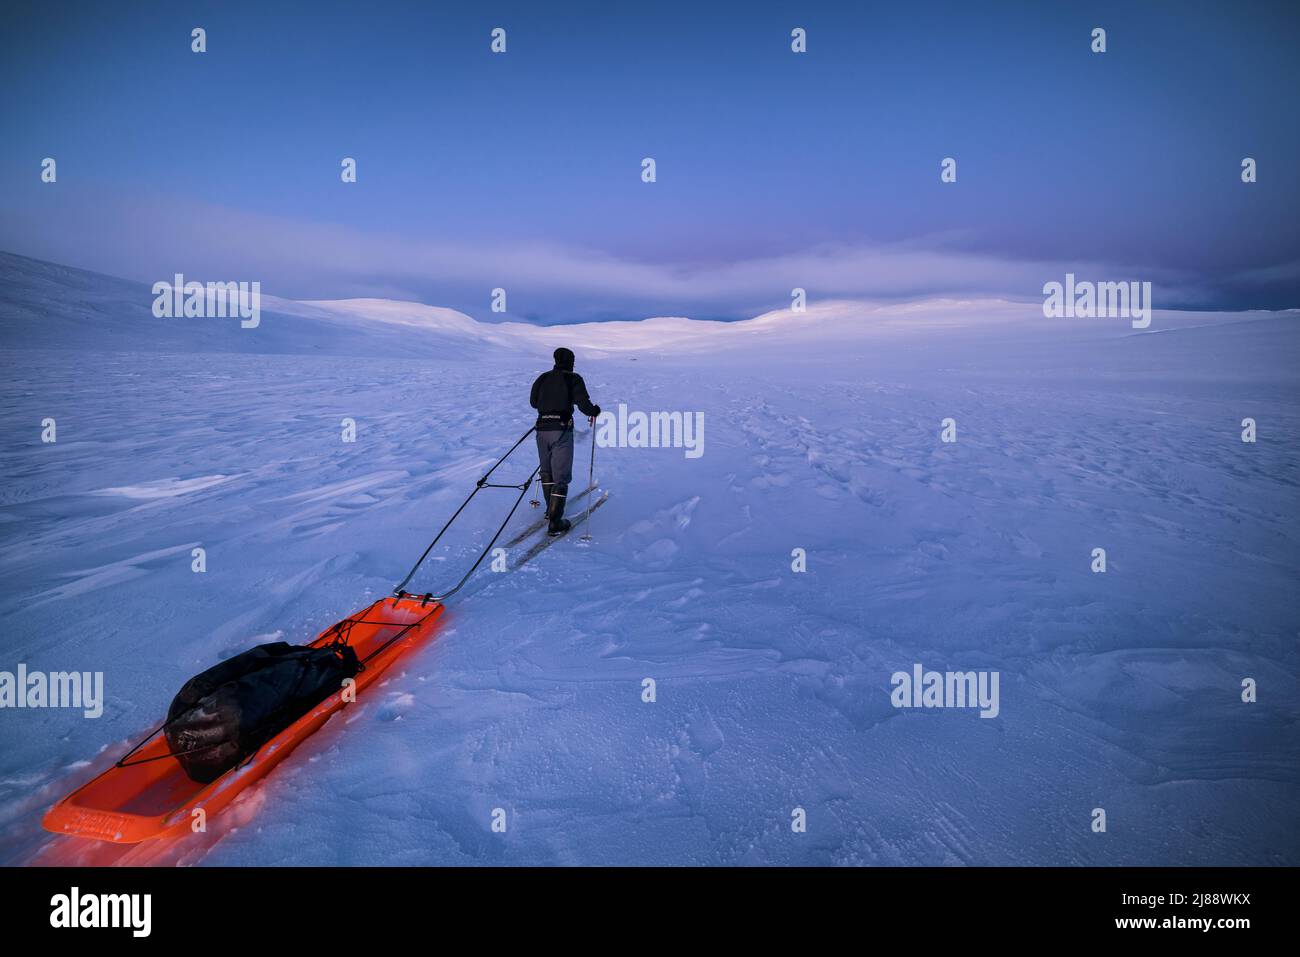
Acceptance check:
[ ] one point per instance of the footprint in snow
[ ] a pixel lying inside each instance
(396, 706)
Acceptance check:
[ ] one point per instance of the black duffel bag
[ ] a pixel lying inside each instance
(229, 711)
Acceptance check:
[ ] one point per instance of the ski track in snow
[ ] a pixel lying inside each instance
(1118, 690)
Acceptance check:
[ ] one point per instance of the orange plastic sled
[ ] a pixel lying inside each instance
(149, 795)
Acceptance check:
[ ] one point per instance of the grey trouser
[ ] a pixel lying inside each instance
(555, 452)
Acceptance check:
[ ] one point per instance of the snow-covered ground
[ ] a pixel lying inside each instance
(822, 432)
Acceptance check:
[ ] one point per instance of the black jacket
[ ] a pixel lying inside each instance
(554, 395)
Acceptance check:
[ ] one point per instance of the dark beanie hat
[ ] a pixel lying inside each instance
(563, 358)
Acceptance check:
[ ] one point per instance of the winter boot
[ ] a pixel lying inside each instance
(558, 524)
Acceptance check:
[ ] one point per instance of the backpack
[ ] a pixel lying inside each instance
(225, 714)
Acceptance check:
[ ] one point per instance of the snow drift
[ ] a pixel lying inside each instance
(1120, 691)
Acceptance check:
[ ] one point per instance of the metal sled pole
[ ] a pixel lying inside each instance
(479, 486)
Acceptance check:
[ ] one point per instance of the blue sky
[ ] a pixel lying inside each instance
(818, 170)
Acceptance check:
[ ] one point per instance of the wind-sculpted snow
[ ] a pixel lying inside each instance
(1119, 690)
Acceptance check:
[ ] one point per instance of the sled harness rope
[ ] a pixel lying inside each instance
(339, 633)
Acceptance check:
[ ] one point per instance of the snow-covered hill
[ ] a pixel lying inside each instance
(822, 432)
(44, 305)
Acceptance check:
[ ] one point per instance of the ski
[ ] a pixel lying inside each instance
(541, 523)
(551, 540)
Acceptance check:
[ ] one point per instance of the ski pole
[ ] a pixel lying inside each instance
(591, 484)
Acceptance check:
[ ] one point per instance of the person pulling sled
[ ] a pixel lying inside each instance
(554, 395)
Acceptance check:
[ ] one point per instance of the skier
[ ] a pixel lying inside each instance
(554, 395)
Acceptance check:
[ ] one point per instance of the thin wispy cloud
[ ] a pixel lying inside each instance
(545, 281)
